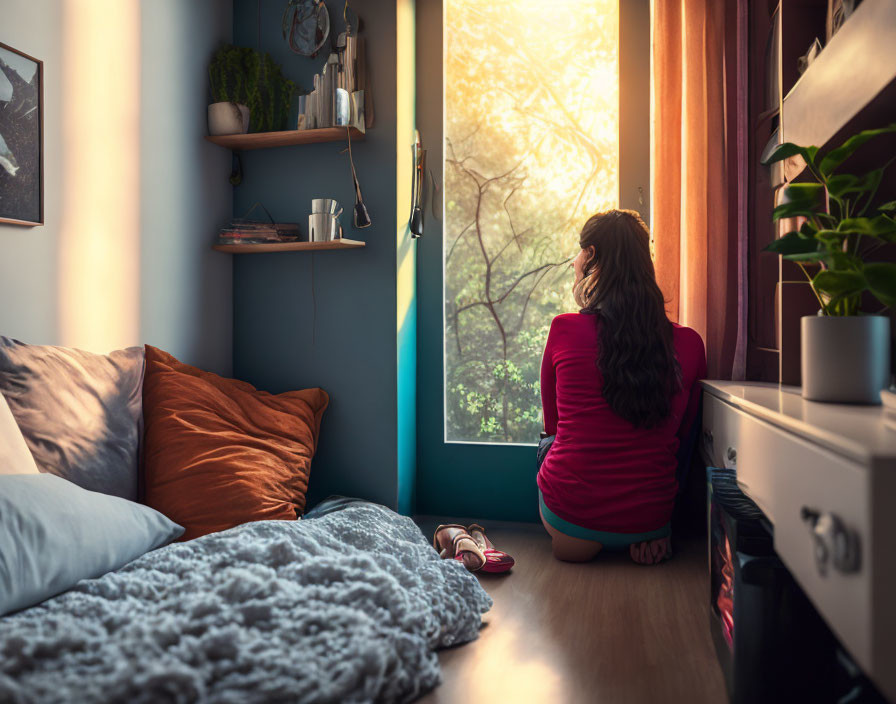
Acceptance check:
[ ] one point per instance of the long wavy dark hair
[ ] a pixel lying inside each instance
(636, 355)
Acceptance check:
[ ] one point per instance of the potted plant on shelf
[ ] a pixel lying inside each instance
(247, 85)
(845, 351)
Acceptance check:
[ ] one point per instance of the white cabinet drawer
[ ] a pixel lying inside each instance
(721, 427)
(800, 476)
(723, 439)
(783, 474)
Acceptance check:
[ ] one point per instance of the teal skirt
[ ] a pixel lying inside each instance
(610, 541)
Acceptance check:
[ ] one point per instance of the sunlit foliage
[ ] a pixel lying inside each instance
(531, 150)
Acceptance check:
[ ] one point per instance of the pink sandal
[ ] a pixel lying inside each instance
(496, 561)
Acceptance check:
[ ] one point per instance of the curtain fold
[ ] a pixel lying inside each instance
(696, 248)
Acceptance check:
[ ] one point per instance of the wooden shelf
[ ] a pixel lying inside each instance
(263, 140)
(288, 246)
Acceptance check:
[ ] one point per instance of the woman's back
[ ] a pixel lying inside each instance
(603, 472)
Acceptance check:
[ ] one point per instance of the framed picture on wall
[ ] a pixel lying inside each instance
(21, 138)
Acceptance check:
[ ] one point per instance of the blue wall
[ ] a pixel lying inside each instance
(185, 302)
(330, 319)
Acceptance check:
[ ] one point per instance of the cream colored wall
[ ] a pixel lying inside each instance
(98, 251)
(132, 193)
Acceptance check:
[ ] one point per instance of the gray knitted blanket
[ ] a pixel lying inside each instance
(349, 607)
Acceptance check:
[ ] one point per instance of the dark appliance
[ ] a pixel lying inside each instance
(772, 644)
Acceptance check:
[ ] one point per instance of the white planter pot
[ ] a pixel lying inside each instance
(845, 359)
(227, 118)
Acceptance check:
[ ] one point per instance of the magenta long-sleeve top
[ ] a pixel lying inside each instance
(602, 472)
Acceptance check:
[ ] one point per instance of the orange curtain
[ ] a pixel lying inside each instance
(693, 251)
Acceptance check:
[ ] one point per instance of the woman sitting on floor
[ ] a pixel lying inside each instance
(619, 391)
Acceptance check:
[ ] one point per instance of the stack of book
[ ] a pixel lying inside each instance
(339, 90)
(243, 232)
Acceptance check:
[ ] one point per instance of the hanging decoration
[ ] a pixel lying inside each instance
(306, 26)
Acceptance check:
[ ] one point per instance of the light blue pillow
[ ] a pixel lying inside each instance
(54, 533)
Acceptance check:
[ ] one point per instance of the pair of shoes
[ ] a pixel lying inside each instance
(496, 561)
(472, 547)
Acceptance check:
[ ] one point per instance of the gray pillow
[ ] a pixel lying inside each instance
(81, 413)
(54, 534)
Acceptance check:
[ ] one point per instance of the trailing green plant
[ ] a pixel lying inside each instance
(252, 78)
(840, 229)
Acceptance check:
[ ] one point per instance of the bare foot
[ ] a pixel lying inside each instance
(651, 552)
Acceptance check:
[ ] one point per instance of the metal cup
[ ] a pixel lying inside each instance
(325, 205)
(323, 227)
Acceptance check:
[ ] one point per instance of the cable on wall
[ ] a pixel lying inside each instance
(313, 304)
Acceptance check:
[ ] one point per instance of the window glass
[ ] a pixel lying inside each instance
(531, 132)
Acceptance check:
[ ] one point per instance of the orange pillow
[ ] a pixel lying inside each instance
(218, 453)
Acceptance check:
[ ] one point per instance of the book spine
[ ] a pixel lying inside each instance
(317, 102)
(364, 82)
(332, 97)
(325, 114)
(303, 113)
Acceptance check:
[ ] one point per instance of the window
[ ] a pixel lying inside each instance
(531, 150)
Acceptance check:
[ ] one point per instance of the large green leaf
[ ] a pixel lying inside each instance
(808, 229)
(800, 199)
(871, 182)
(838, 260)
(840, 184)
(789, 149)
(831, 242)
(839, 283)
(815, 256)
(804, 192)
(890, 235)
(792, 210)
(879, 226)
(793, 244)
(881, 277)
(888, 207)
(837, 156)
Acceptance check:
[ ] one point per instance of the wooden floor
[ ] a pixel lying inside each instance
(608, 631)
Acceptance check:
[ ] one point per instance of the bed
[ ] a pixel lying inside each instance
(105, 460)
(349, 604)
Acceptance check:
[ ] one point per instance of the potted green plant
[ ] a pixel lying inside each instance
(247, 86)
(835, 227)
(228, 113)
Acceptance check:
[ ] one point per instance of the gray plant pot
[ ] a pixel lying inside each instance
(845, 359)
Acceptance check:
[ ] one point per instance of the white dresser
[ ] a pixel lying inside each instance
(825, 476)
